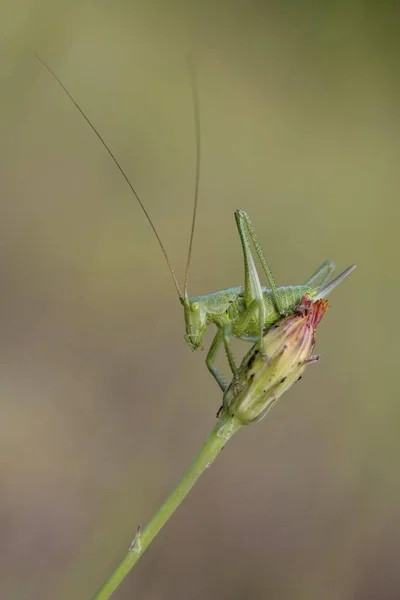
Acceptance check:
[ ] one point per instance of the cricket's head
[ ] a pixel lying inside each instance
(196, 322)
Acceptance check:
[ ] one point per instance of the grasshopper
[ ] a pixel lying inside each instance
(245, 311)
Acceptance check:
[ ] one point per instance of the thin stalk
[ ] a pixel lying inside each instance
(220, 434)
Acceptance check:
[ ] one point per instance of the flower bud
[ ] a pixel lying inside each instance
(262, 379)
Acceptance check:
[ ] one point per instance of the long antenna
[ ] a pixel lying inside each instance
(196, 118)
(119, 168)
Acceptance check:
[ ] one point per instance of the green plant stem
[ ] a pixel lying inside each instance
(220, 434)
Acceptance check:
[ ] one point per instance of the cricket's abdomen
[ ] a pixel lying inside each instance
(290, 297)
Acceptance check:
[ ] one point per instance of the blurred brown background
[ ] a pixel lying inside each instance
(102, 404)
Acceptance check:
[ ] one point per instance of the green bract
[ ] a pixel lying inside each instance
(262, 379)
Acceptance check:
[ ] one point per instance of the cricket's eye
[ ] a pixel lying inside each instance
(195, 306)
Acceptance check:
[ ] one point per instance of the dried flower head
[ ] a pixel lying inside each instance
(262, 378)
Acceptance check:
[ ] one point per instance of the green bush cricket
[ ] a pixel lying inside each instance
(245, 311)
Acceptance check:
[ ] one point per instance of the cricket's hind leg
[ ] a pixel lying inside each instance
(252, 283)
(256, 309)
(324, 290)
(322, 275)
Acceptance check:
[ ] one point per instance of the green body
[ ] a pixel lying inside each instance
(225, 308)
(246, 311)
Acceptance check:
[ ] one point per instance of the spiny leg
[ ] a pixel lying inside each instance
(226, 333)
(210, 359)
(323, 273)
(244, 321)
(246, 229)
(223, 335)
(252, 287)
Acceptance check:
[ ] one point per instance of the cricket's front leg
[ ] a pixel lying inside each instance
(210, 359)
(227, 335)
(223, 335)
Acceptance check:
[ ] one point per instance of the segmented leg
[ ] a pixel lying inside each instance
(223, 335)
(210, 359)
(255, 307)
(324, 272)
(227, 333)
(245, 228)
(323, 291)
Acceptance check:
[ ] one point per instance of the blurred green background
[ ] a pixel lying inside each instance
(103, 405)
